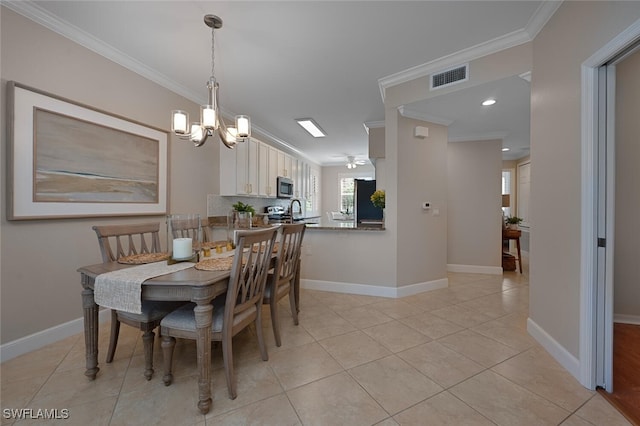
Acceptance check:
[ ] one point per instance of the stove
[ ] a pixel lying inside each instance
(277, 214)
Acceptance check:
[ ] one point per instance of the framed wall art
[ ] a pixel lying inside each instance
(70, 160)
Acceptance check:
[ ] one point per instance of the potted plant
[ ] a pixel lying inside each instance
(377, 198)
(513, 222)
(243, 214)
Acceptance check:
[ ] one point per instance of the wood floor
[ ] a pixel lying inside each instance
(626, 371)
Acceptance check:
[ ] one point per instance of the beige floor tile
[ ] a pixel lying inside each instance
(387, 422)
(575, 420)
(464, 317)
(354, 348)
(397, 308)
(481, 349)
(442, 409)
(431, 326)
(538, 372)
(445, 366)
(394, 384)
(291, 336)
(396, 336)
(302, 365)
(427, 301)
(364, 316)
(327, 326)
(506, 334)
(276, 411)
(335, 400)
(599, 412)
(506, 403)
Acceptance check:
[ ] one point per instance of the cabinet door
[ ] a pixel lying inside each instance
(242, 162)
(284, 164)
(252, 167)
(295, 176)
(263, 170)
(273, 171)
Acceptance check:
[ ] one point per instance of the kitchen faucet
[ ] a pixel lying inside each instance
(295, 200)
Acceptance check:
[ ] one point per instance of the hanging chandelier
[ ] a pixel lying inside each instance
(210, 120)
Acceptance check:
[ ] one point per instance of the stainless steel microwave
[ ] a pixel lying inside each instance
(285, 187)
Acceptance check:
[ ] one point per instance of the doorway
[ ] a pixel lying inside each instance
(599, 207)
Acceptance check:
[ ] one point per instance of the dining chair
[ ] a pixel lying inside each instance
(281, 282)
(117, 241)
(240, 307)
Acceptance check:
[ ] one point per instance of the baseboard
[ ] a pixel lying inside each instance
(373, 290)
(475, 269)
(555, 349)
(627, 319)
(42, 338)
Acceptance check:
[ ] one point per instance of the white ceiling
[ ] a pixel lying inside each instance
(277, 61)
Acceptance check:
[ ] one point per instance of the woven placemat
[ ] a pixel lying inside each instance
(142, 258)
(217, 264)
(275, 248)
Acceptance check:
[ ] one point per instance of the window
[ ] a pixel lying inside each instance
(507, 185)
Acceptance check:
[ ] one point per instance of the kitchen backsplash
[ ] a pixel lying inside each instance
(218, 205)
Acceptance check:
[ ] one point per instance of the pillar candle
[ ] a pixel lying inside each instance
(182, 248)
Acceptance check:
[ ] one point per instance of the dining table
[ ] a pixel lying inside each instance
(189, 285)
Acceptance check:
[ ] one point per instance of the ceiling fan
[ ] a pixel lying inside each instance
(352, 162)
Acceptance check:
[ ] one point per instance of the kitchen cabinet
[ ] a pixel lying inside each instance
(239, 169)
(267, 170)
(284, 164)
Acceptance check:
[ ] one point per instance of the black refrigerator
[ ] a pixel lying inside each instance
(365, 211)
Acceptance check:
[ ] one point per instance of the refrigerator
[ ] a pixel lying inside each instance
(364, 210)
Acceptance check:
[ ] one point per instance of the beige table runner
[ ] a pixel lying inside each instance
(122, 290)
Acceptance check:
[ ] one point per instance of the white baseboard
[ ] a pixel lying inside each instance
(557, 351)
(627, 319)
(42, 338)
(475, 269)
(373, 290)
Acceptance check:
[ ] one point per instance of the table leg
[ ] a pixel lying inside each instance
(204, 314)
(519, 255)
(90, 333)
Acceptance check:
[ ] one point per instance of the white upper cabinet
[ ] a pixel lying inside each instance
(247, 167)
(284, 164)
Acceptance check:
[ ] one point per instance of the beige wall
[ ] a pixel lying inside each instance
(331, 184)
(40, 285)
(474, 200)
(575, 32)
(626, 291)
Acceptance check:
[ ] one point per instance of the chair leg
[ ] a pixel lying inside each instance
(227, 356)
(113, 339)
(147, 341)
(168, 344)
(293, 305)
(261, 343)
(275, 320)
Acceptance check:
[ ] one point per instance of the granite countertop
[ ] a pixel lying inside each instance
(345, 225)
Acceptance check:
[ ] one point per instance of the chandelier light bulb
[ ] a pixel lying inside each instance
(179, 120)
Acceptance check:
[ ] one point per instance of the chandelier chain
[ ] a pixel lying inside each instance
(213, 56)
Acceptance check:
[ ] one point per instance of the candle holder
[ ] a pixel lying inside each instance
(184, 237)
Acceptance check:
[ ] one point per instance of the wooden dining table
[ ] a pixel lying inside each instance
(186, 285)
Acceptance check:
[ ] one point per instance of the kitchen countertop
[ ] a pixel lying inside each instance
(344, 225)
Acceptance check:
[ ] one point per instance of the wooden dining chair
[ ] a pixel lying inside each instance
(231, 314)
(117, 241)
(281, 282)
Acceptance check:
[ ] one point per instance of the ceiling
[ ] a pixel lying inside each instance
(277, 61)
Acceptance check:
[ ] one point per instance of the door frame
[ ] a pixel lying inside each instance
(591, 306)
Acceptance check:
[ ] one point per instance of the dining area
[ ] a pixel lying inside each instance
(193, 288)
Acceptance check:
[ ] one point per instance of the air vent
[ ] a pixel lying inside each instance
(449, 77)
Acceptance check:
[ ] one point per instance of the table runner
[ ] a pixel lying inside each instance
(122, 290)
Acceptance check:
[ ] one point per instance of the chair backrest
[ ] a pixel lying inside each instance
(187, 228)
(127, 240)
(251, 263)
(290, 245)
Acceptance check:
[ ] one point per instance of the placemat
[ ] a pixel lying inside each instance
(142, 258)
(122, 290)
(215, 264)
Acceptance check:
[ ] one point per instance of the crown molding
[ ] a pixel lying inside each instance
(515, 38)
(32, 11)
(479, 137)
(372, 125)
(408, 113)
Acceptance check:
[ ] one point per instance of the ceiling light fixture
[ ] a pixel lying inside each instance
(488, 102)
(352, 163)
(210, 120)
(312, 127)
(505, 149)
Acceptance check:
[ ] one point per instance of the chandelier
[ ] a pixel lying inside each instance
(210, 120)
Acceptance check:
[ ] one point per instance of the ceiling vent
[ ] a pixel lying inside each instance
(451, 76)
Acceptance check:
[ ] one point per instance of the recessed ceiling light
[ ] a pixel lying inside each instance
(312, 127)
(488, 102)
(505, 149)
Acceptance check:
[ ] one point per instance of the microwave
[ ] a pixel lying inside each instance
(285, 187)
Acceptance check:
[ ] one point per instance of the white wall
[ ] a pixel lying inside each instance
(627, 227)
(474, 199)
(40, 285)
(575, 32)
(331, 184)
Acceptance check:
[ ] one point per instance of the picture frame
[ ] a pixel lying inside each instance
(68, 160)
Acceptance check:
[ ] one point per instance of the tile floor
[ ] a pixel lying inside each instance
(454, 356)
